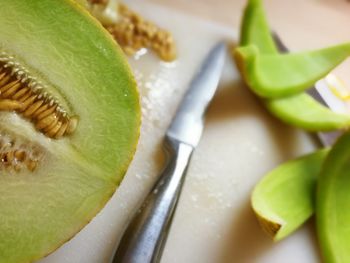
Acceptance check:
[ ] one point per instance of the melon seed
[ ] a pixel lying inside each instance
(20, 155)
(133, 32)
(9, 105)
(22, 93)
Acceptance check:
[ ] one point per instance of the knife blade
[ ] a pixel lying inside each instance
(187, 125)
(145, 236)
(324, 138)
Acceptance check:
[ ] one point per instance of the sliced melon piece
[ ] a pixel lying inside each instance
(279, 75)
(303, 111)
(255, 28)
(280, 79)
(284, 199)
(333, 203)
(67, 144)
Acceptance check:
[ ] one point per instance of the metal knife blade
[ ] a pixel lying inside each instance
(187, 125)
(145, 236)
(325, 138)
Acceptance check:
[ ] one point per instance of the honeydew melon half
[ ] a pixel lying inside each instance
(58, 170)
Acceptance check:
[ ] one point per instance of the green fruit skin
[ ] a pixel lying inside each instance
(333, 204)
(60, 42)
(285, 196)
(303, 111)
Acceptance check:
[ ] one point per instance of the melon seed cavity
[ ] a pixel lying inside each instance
(22, 93)
(17, 155)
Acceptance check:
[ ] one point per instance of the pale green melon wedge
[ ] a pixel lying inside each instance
(303, 111)
(79, 64)
(255, 29)
(275, 76)
(333, 204)
(279, 75)
(284, 199)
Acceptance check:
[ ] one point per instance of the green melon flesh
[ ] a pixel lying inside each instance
(333, 203)
(63, 45)
(284, 199)
(301, 110)
(255, 28)
(280, 75)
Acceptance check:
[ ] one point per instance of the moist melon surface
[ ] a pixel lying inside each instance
(50, 185)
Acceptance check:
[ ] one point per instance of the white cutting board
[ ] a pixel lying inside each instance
(241, 142)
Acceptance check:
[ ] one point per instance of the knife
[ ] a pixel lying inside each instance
(324, 138)
(145, 236)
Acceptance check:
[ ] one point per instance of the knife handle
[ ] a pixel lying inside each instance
(145, 236)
